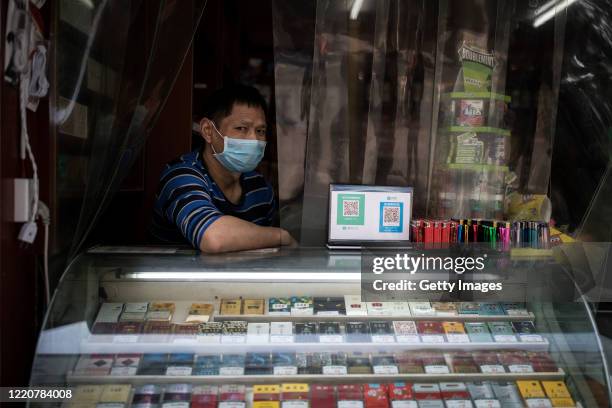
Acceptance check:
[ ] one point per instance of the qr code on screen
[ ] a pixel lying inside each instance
(350, 208)
(391, 216)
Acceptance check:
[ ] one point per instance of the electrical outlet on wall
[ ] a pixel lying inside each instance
(23, 192)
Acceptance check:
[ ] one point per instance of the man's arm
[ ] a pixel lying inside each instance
(229, 233)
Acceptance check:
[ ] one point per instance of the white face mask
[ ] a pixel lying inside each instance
(239, 155)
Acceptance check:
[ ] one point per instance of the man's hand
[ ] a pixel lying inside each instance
(287, 239)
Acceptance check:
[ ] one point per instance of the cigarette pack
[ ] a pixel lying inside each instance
(558, 394)
(234, 331)
(515, 361)
(329, 306)
(445, 308)
(378, 309)
(295, 395)
(132, 317)
(323, 396)
(455, 332)
(185, 333)
(258, 332)
(153, 364)
(231, 307)
(334, 363)
(507, 393)
(84, 394)
(538, 403)
(156, 332)
(94, 364)
(301, 305)
(109, 313)
(384, 363)
(530, 389)
(556, 389)
(502, 332)
(266, 396)
(308, 363)
(462, 362)
(139, 307)
(382, 332)
(406, 332)
(431, 331)
(147, 396)
(515, 309)
(491, 309)
(118, 393)
(527, 332)
(428, 395)
(454, 390)
(162, 311)
(399, 308)
(354, 306)
(350, 396)
(279, 306)
(104, 328)
(281, 332)
(204, 396)
(329, 332)
(375, 396)
(359, 363)
(357, 332)
(469, 308)
(200, 313)
(478, 332)
(434, 362)
(232, 365)
(180, 364)
(207, 364)
(488, 362)
(128, 332)
(306, 332)
(258, 364)
(401, 395)
(177, 396)
(254, 306)
(421, 309)
(409, 363)
(126, 364)
(481, 390)
(542, 362)
(210, 332)
(284, 364)
(232, 396)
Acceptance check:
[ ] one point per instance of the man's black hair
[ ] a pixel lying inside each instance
(221, 102)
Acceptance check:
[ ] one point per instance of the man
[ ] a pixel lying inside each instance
(213, 198)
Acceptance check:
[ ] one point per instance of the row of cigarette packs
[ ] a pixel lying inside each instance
(530, 393)
(350, 305)
(236, 331)
(324, 363)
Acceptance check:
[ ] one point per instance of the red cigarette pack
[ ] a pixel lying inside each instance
(322, 396)
(400, 391)
(375, 396)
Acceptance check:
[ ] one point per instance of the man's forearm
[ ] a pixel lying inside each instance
(229, 233)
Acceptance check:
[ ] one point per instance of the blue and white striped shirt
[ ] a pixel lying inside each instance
(188, 201)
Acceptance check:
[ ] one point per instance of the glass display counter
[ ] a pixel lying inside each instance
(157, 327)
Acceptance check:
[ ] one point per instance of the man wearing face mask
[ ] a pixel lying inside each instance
(213, 198)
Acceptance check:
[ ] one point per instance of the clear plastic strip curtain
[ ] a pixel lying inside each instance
(362, 111)
(117, 61)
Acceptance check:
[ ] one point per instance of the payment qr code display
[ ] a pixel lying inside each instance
(391, 217)
(350, 208)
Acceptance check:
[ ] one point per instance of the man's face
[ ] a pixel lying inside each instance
(244, 122)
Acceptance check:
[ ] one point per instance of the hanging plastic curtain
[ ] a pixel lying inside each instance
(116, 63)
(368, 122)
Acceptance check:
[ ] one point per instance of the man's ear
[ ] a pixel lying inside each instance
(206, 130)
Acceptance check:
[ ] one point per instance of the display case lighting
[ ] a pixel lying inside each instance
(247, 276)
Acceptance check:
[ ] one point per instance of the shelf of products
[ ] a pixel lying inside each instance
(161, 321)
